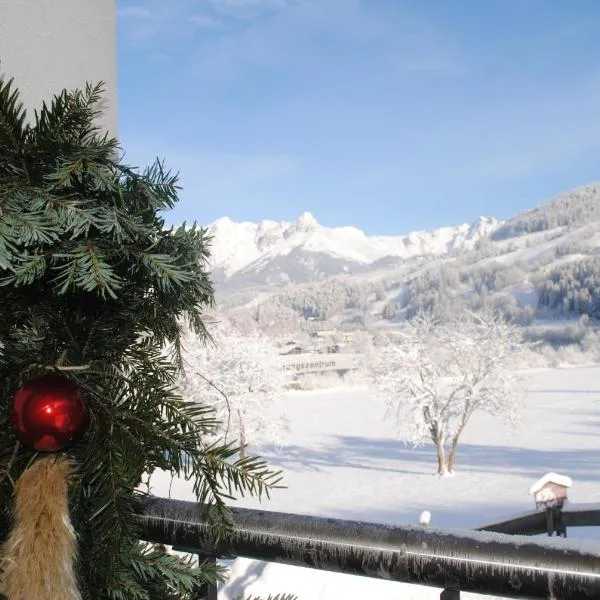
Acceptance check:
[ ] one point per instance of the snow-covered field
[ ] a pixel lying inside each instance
(342, 460)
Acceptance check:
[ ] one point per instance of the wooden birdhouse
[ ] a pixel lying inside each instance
(550, 491)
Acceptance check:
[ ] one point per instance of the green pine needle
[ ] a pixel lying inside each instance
(90, 274)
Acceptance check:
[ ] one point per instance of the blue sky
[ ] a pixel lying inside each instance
(389, 115)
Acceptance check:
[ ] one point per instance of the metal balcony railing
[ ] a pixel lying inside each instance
(483, 562)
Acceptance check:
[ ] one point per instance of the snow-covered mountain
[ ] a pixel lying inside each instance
(272, 252)
(539, 266)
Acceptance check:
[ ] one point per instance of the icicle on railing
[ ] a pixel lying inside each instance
(473, 561)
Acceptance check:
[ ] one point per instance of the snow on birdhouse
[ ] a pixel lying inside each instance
(550, 490)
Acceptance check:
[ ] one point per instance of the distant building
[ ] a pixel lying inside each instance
(293, 350)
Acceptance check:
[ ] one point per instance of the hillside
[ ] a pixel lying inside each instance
(543, 264)
(571, 209)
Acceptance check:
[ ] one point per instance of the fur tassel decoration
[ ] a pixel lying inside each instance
(38, 556)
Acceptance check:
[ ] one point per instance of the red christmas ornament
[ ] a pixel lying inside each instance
(49, 413)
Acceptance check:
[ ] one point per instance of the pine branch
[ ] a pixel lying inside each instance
(13, 131)
(86, 268)
(178, 574)
(90, 273)
(165, 269)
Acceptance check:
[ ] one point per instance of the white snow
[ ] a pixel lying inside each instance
(550, 478)
(524, 293)
(530, 239)
(545, 495)
(239, 246)
(341, 459)
(569, 258)
(530, 248)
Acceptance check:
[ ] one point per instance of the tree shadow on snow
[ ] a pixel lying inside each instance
(238, 586)
(384, 454)
(586, 427)
(590, 420)
(581, 464)
(301, 458)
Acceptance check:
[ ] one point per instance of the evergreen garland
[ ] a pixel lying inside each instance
(94, 284)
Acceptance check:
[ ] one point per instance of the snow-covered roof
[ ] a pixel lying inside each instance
(550, 478)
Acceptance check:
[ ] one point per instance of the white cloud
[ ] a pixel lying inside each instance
(286, 34)
(205, 21)
(134, 11)
(248, 8)
(301, 35)
(158, 22)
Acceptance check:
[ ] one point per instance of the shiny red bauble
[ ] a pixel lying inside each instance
(49, 413)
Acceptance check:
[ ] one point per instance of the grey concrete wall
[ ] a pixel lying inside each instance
(50, 45)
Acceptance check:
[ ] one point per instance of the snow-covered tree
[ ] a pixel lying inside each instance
(573, 288)
(571, 209)
(360, 342)
(242, 377)
(441, 373)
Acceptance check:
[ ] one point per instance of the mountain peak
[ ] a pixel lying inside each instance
(305, 222)
(222, 222)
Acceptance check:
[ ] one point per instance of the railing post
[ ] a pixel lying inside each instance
(561, 528)
(451, 592)
(555, 521)
(549, 521)
(207, 592)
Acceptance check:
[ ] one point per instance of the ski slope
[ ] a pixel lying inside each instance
(341, 459)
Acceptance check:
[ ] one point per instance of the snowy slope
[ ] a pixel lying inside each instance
(341, 459)
(249, 248)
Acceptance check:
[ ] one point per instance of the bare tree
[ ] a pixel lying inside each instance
(441, 373)
(242, 378)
